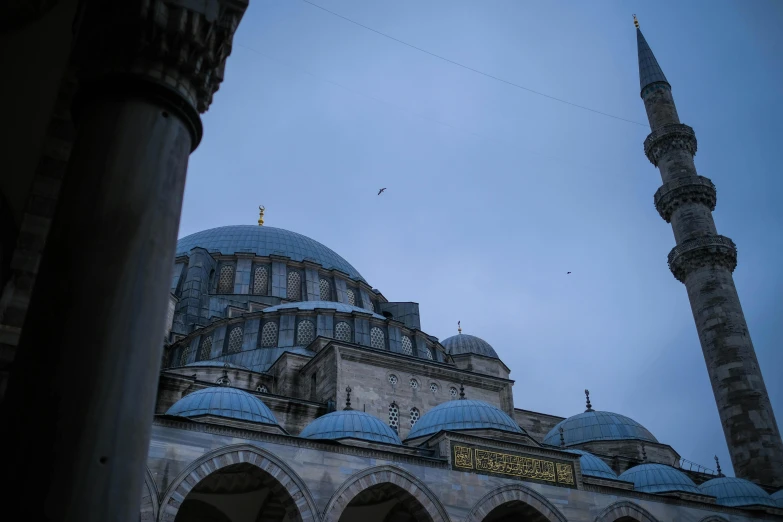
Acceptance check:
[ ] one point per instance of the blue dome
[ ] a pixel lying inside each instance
(597, 425)
(464, 343)
(312, 305)
(778, 497)
(226, 402)
(659, 478)
(265, 241)
(736, 492)
(463, 414)
(350, 424)
(592, 466)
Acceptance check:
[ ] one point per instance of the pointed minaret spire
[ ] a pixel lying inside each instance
(589, 406)
(717, 463)
(703, 261)
(649, 70)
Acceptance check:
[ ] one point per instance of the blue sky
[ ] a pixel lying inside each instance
(494, 193)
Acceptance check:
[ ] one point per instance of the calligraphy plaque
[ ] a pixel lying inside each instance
(466, 457)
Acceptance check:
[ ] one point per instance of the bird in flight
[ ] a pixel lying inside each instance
(568, 273)
(379, 192)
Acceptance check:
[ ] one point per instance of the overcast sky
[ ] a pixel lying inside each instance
(494, 192)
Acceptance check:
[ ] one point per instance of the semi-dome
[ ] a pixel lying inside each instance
(463, 414)
(659, 478)
(464, 343)
(778, 498)
(350, 424)
(222, 401)
(328, 305)
(736, 492)
(595, 426)
(592, 466)
(266, 241)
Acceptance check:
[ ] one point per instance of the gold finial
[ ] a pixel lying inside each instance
(459, 328)
(635, 21)
(261, 215)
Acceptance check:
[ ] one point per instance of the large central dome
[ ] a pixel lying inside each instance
(266, 241)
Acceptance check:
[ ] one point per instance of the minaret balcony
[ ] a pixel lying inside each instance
(679, 191)
(669, 137)
(700, 252)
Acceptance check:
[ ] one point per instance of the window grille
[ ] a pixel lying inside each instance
(377, 339)
(235, 340)
(205, 352)
(305, 333)
(269, 335)
(407, 345)
(342, 331)
(226, 280)
(394, 416)
(294, 290)
(326, 292)
(414, 416)
(260, 280)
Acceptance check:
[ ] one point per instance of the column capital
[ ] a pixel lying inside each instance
(668, 137)
(691, 189)
(701, 252)
(168, 49)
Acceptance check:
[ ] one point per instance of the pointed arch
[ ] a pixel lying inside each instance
(148, 508)
(510, 493)
(427, 501)
(624, 508)
(286, 479)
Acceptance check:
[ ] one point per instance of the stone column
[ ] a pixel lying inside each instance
(77, 414)
(704, 261)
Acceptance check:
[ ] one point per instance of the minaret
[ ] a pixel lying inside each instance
(704, 260)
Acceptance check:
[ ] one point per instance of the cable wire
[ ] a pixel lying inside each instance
(516, 85)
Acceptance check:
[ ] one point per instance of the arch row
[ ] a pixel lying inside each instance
(514, 493)
(625, 508)
(286, 480)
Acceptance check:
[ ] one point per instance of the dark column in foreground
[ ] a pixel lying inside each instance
(704, 261)
(77, 413)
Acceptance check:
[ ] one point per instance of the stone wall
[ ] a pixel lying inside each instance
(537, 425)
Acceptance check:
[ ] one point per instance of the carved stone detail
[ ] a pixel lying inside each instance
(668, 137)
(693, 189)
(701, 252)
(177, 44)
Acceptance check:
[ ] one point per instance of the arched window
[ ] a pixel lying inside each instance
(305, 333)
(394, 416)
(326, 291)
(294, 286)
(351, 296)
(226, 280)
(342, 331)
(183, 358)
(260, 280)
(407, 345)
(377, 339)
(235, 340)
(261, 388)
(205, 350)
(269, 335)
(430, 355)
(414, 416)
(369, 306)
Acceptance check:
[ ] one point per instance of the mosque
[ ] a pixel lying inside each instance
(292, 390)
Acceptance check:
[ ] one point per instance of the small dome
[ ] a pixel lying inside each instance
(778, 497)
(736, 492)
(659, 478)
(219, 364)
(226, 402)
(350, 424)
(464, 343)
(463, 414)
(265, 241)
(592, 466)
(597, 425)
(328, 305)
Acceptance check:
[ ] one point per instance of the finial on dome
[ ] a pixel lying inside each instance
(459, 327)
(261, 209)
(348, 398)
(562, 437)
(589, 406)
(635, 21)
(717, 463)
(461, 392)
